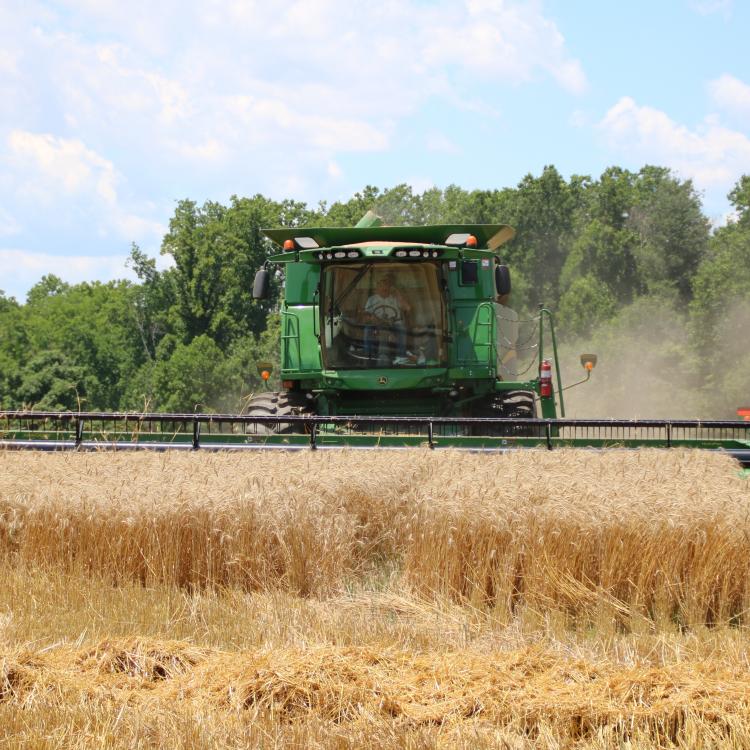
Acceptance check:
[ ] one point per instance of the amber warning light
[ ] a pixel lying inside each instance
(264, 369)
(744, 412)
(588, 361)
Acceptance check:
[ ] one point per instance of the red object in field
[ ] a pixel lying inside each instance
(545, 378)
(744, 412)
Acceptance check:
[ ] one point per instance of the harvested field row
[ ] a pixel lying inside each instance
(528, 692)
(662, 535)
(87, 664)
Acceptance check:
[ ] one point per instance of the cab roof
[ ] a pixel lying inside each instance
(488, 235)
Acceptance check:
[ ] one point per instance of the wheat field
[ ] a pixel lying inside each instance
(382, 599)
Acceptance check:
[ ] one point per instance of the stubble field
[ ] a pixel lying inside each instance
(383, 599)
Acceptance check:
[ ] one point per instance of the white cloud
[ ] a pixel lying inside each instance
(731, 94)
(570, 75)
(53, 171)
(51, 164)
(205, 81)
(265, 120)
(107, 106)
(508, 41)
(711, 154)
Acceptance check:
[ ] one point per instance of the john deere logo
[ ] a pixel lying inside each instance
(382, 380)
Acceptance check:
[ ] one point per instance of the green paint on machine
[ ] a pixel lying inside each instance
(402, 321)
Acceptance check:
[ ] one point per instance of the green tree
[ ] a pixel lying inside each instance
(150, 301)
(247, 352)
(720, 313)
(348, 213)
(91, 324)
(542, 212)
(740, 199)
(609, 199)
(196, 377)
(605, 253)
(50, 381)
(13, 350)
(48, 286)
(585, 305)
(673, 233)
(216, 252)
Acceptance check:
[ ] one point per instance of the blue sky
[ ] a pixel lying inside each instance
(111, 111)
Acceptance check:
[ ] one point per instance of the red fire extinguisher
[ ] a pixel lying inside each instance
(545, 379)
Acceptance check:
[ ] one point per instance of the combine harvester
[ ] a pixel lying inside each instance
(390, 337)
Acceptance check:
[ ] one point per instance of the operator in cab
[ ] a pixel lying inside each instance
(385, 309)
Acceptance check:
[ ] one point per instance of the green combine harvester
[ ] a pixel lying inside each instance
(390, 337)
(399, 321)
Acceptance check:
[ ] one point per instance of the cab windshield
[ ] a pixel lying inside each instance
(382, 315)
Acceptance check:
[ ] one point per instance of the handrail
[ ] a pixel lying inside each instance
(490, 344)
(316, 295)
(286, 337)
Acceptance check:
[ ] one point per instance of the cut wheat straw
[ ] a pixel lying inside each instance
(522, 690)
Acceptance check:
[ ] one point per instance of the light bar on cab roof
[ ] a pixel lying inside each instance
(416, 253)
(338, 255)
(351, 254)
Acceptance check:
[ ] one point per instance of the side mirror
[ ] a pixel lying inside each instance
(502, 280)
(260, 285)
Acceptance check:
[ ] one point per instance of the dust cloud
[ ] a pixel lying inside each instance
(649, 367)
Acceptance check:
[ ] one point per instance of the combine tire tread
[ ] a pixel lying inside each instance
(275, 404)
(509, 405)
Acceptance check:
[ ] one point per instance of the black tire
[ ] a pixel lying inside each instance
(519, 404)
(276, 404)
(508, 405)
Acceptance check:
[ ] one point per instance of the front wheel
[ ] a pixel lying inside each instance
(520, 405)
(276, 404)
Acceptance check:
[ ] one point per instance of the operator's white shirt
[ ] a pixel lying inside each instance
(375, 301)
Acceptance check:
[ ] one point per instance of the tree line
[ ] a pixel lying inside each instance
(613, 256)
